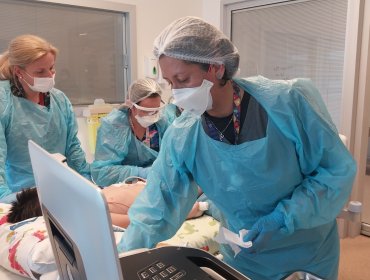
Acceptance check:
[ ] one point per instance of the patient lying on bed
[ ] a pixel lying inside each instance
(119, 198)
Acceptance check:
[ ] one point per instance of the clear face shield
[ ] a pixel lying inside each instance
(150, 111)
(149, 116)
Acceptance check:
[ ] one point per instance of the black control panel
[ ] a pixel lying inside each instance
(173, 263)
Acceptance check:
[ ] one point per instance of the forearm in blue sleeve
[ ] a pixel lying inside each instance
(327, 167)
(160, 209)
(9, 198)
(143, 172)
(76, 157)
(321, 196)
(108, 173)
(4, 189)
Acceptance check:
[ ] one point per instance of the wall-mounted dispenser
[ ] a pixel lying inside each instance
(151, 67)
(93, 114)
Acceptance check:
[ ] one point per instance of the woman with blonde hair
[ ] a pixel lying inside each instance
(31, 108)
(129, 138)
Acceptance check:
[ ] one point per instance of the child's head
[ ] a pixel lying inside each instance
(26, 206)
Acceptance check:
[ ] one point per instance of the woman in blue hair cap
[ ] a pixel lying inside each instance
(265, 152)
(129, 138)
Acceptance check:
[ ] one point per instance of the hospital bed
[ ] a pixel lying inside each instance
(37, 256)
(25, 248)
(7, 275)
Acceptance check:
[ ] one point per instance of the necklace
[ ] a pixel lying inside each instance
(221, 133)
(218, 135)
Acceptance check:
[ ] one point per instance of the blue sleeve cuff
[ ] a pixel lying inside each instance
(9, 198)
(143, 172)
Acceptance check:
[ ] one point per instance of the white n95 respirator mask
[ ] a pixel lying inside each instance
(196, 100)
(146, 121)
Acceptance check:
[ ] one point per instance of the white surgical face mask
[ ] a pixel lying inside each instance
(196, 100)
(146, 121)
(41, 84)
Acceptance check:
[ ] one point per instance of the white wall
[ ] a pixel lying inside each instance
(212, 12)
(152, 17)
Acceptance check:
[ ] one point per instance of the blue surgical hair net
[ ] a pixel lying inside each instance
(142, 89)
(193, 39)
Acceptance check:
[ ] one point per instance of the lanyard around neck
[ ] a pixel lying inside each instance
(151, 136)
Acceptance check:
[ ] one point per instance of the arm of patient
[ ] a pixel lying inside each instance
(120, 198)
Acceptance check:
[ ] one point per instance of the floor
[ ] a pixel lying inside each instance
(355, 258)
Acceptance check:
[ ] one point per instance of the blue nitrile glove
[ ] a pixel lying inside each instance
(263, 230)
(143, 172)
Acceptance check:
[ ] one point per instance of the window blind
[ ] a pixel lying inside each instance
(91, 42)
(294, 39)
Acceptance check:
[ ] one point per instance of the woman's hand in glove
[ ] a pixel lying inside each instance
(263, 230)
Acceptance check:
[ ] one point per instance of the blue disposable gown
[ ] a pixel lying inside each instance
(300, 170)
(54, 129)
(119, 154)
(171, 112)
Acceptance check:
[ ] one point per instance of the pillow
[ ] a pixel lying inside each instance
(24, 246)
(197, 233)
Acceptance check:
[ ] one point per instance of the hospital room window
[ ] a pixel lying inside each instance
(94, 45)
(290, 39)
